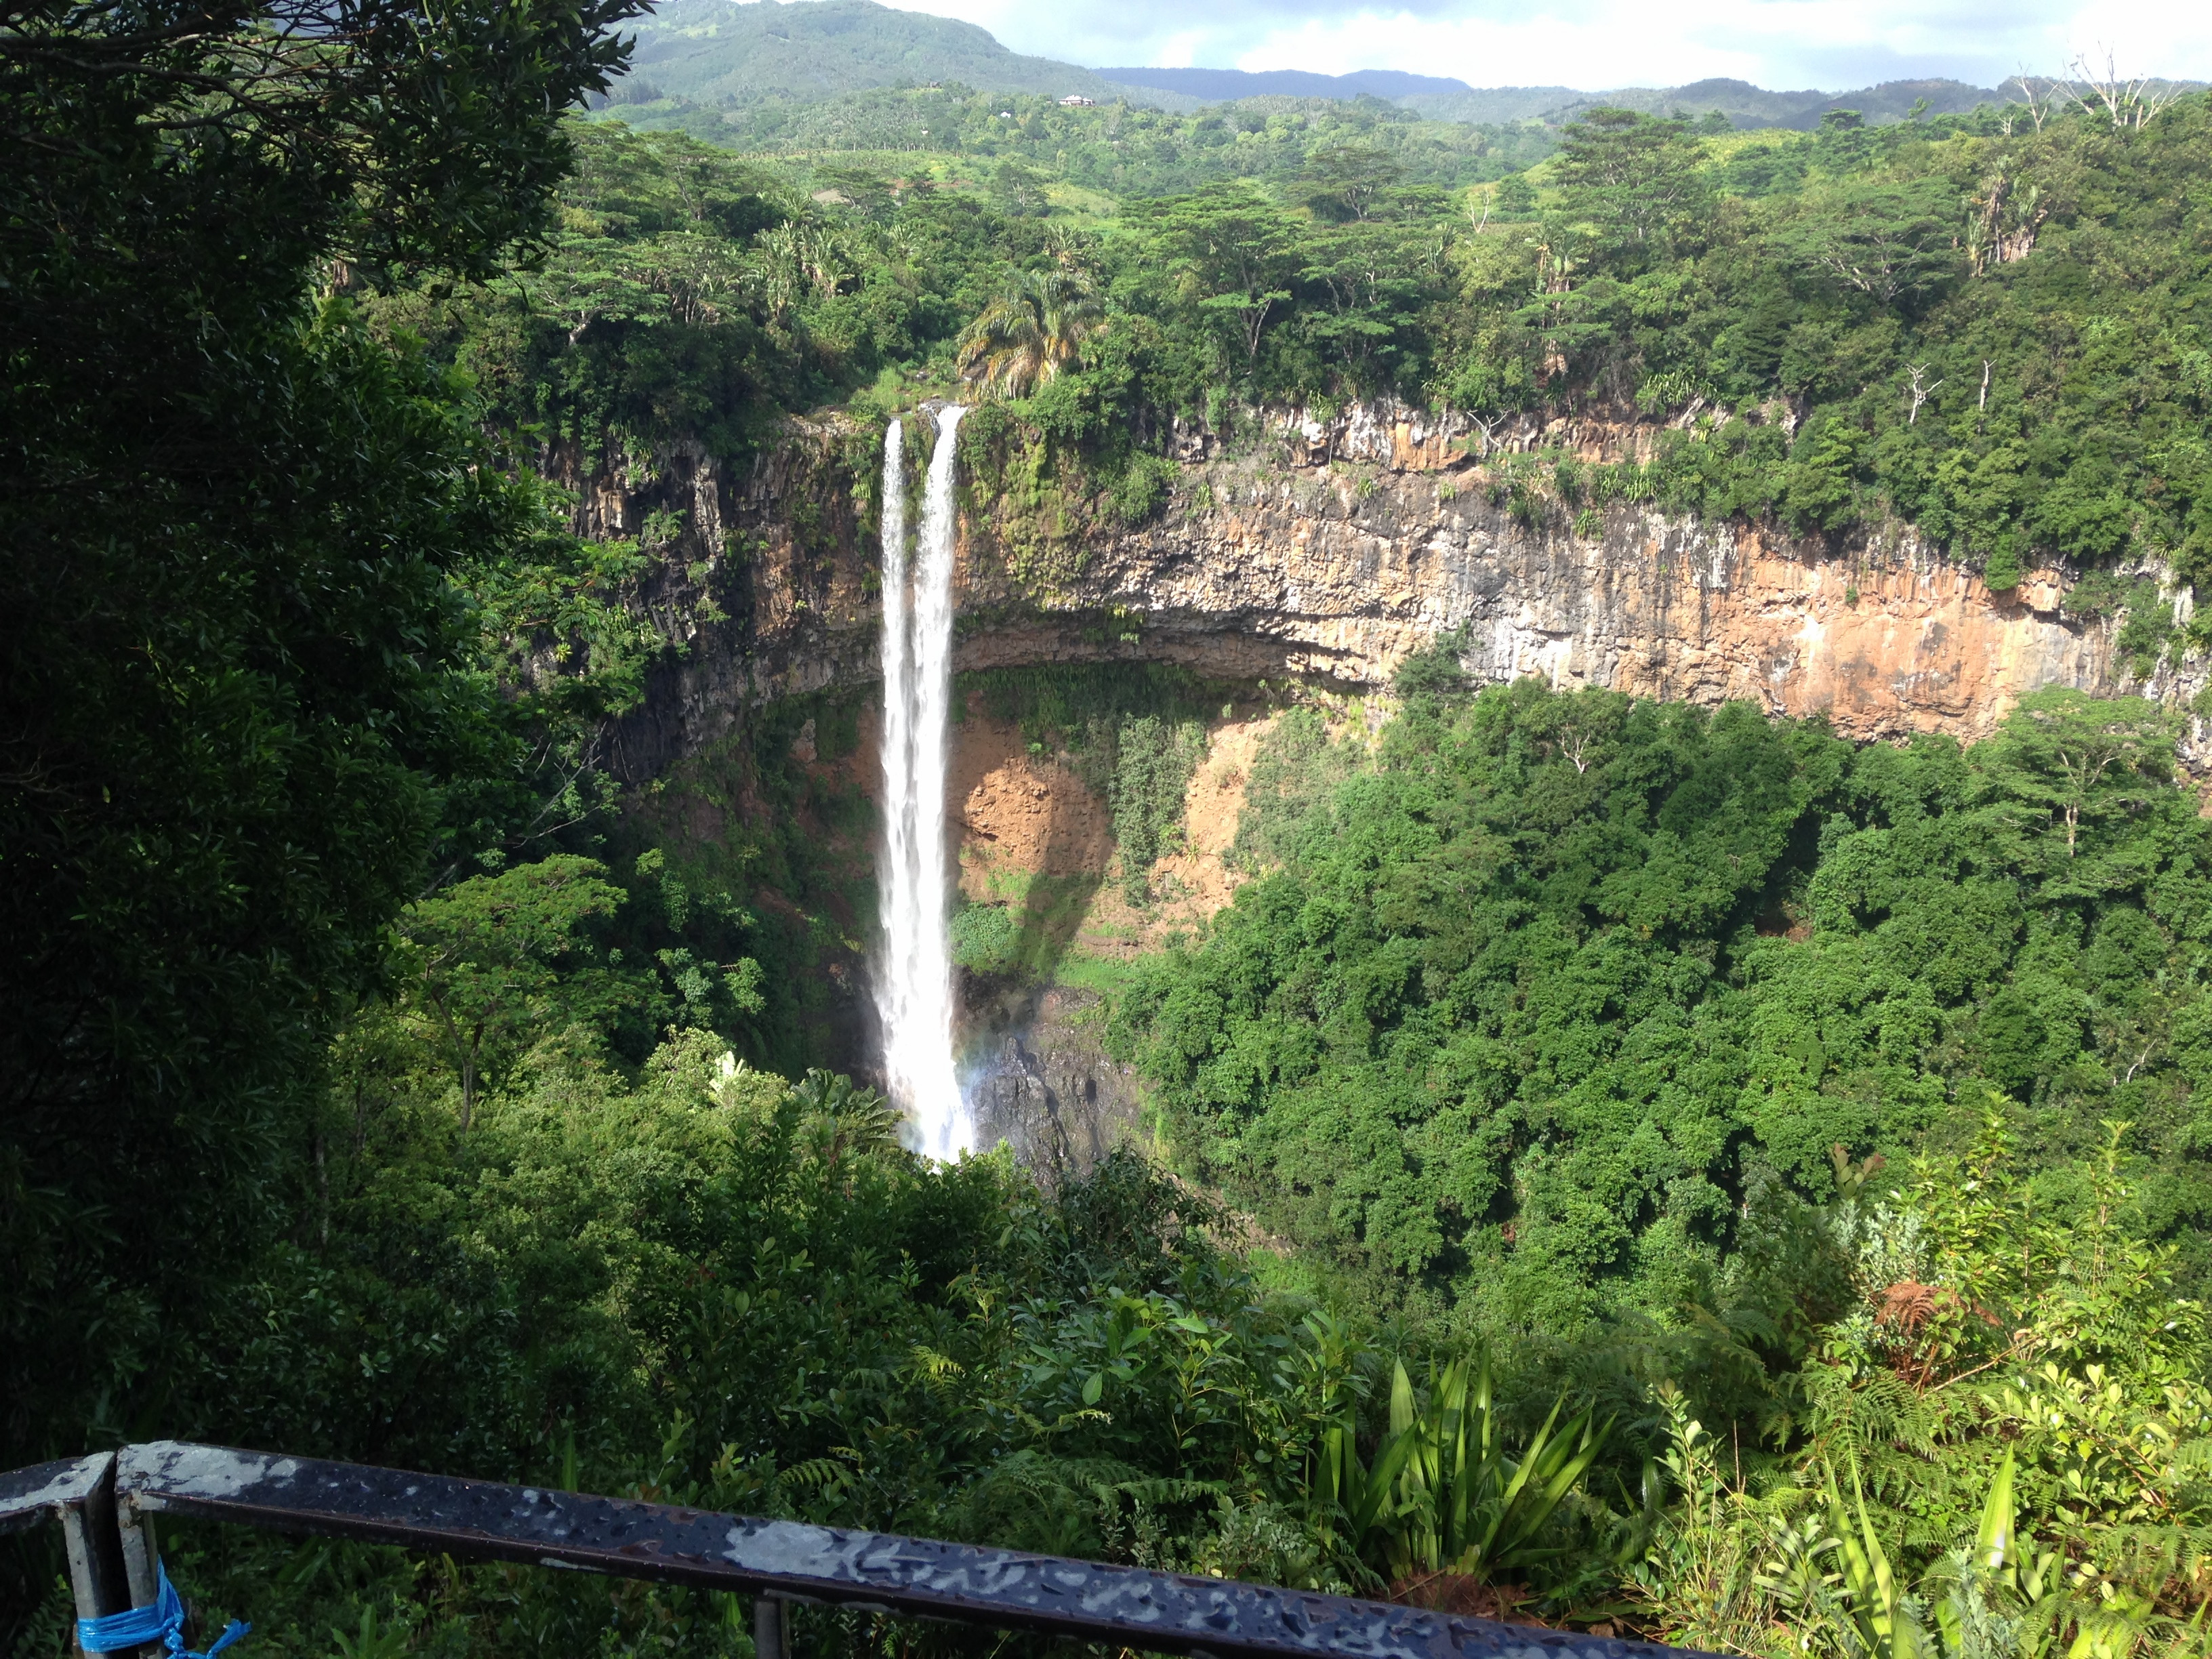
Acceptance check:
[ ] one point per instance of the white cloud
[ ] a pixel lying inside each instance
(1606, 42)
(1179, 51)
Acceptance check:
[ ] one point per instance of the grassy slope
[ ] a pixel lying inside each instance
(713, 51)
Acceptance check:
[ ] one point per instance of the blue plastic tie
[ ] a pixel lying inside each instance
(163, 1622)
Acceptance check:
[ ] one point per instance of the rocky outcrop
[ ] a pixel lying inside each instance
(1318, 580)
(1046, 1087)
(1326, 550)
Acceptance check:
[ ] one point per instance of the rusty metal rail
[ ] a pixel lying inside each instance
(106, 1502)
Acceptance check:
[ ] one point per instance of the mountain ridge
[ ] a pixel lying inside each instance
(715, 52)
(1443, 98)
(721, 53)
(1223, 85)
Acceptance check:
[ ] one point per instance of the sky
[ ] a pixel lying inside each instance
(1595, 44)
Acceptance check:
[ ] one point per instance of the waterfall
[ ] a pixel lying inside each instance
(913, 986)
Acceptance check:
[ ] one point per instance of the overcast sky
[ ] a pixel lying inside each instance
(1596, 44)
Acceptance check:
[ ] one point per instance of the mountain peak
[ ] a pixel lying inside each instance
(718, 52)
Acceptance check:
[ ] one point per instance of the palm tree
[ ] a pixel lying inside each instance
(1027, 335)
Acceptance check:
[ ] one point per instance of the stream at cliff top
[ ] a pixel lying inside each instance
(914, 979)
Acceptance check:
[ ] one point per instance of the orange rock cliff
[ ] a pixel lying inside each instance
(1325, 551)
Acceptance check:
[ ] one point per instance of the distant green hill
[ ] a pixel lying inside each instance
(1012, 144)
(713, 51)
(1441, 99)
(1748, 106)
(1219, 86)
(1499, 105)
(720, 54)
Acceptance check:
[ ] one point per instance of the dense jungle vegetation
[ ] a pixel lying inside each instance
(1661, 1169)
(1530, 1009)
(1983, 328)
(1111, 147)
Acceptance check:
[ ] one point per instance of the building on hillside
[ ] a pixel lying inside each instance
(1076, 101)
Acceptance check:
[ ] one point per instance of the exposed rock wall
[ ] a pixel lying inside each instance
(1317, 582)
(1047, 1087)
(1328, 550)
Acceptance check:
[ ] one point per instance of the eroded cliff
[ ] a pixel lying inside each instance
(1324, 551)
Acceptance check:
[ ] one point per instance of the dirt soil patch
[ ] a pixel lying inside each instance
(1197, 880)
(1021, 813)
(1020, 816)
(1467, 1597)
(1191, 885)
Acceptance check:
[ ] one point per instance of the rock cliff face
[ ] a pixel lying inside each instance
(1327, 551)
(1047, 1087)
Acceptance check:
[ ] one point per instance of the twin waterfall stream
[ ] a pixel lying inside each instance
(914, 980)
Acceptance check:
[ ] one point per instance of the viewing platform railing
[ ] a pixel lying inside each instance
(105, 1504)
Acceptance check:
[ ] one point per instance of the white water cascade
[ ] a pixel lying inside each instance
(914, 985)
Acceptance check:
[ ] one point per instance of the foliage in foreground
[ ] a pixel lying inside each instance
(706, 1285)
(696, 1281)
(1793, 1425)
(245, 707)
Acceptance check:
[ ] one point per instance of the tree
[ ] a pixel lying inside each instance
(1367, 277)
(1234, 253)
(1020, 189)
(2003, 219)
(1346, 181)
(1634, 175)
(496, 957)
(1891, 243)
(841, 1122)
(1026, 337)
(1515, 197)
(2082, 759)
(396, 131)
(866, 191)
(239, 681)
(2130, 102)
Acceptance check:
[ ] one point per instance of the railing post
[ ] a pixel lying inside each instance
(134, 1533)
(771, 1627)
(99, 1580)
(80, 1493)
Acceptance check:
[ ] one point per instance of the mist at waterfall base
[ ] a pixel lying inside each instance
(913, 978)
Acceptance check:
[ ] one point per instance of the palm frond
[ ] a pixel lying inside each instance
(1026, 336)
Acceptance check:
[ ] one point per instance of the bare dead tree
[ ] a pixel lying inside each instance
(2040, 100)
(2129, 102)
(1922, 389)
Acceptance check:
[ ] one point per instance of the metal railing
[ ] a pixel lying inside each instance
(105, 1504)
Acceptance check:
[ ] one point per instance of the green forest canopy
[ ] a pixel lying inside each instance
(1554, 1046)
(1524, 1014)
(1991, 332)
